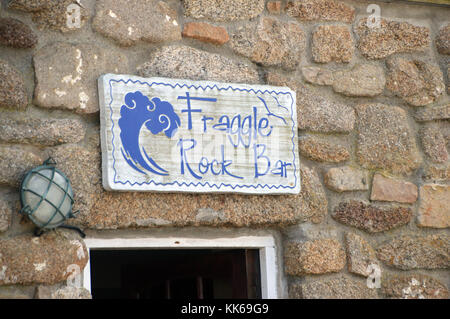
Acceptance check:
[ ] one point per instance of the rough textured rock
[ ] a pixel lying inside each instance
(448, 79)
(359, 254)
(313, 257)
(41, 132)
(371, 218)
(443, 40)
(15, 161)
(385, 140)
(339, 287)
(320, 10)
(128, 24)
(225, 10)
(274, 7)
(314, 112)
(413, 286)
(392, 37)
(82, 167)
(50, 14)
(434, 209)
(317, 75)
(415, 252)
(5, 215)
(12, 88)
(170, 61)
(205, 32)
(346, 178)
(321, 150)
(67, 292)
(361, 80)
(332, 43)
(112, 210)
(437, 172)
(16, 292)
(270, 42)
(431, 113)
(416, 82)
(393, 190)
(16, 34)
(48, 259)
(67, 74)
(314, 204)
(434, 143)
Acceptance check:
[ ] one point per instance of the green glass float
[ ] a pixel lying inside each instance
(46, 197)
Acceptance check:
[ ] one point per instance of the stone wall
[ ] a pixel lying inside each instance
(374, 134)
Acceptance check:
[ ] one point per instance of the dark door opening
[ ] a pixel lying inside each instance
(175, 274)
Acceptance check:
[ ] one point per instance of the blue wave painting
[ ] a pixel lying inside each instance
(157, 116)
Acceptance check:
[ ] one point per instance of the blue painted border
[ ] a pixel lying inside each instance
(195, 184)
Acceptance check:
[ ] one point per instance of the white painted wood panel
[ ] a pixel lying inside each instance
(175, 135)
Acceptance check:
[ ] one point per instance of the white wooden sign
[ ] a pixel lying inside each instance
(174, 135)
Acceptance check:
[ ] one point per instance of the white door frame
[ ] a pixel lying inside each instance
(265, 244)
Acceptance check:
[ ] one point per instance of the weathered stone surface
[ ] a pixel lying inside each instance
(170, 61)
(445, 129)
(415, 252)
(313, 257)
(320, 10)
(16, 34)
(385, 140)
(28, 5)
(416, 82)
(112, 210)
(361, 80)
(413, 286)
(314, 203)
(359, 254)
(317, 75)
(371, 218)
(41, 132)
(443, 40)
(393, 190)
(225, 10)
(82, 167)
(66, 292)
(205, 32)
(332, 43)
(314, 112)
(434, 210)
(128, 23)
(16, 292)
(339, 287)
(15, 161)
(12, 87)
(434, 143)
(5, 215)
(321, 150)
(391, 37)
(27, 259)
(67, 74)
(50, 14)
(71, 293)
(448, 79)
(270, 42)
(274, 7)
(432, 113)
(346, 178)
(437, 172)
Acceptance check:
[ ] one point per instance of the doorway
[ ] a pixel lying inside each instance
(114, 262)
(175, 274)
